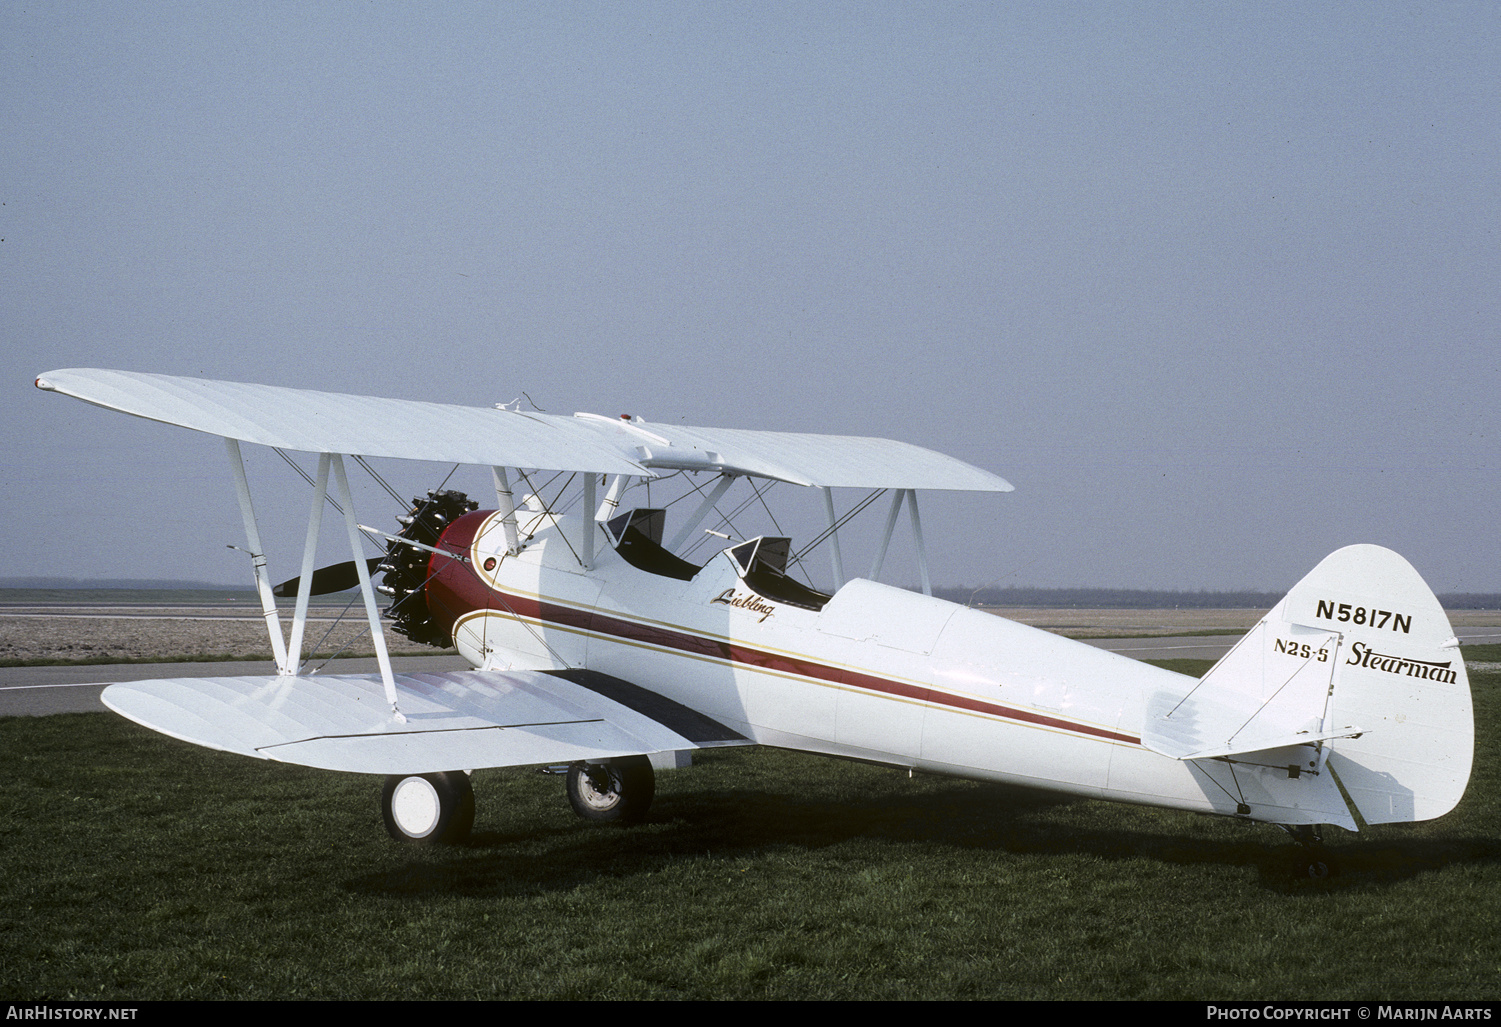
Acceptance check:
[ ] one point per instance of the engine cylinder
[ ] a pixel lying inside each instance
(408, 570)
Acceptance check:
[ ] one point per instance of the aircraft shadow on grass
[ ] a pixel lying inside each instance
(737, 825)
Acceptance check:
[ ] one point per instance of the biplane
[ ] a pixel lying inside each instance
(599, 646)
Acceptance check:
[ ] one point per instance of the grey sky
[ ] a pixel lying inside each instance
(1215, 286)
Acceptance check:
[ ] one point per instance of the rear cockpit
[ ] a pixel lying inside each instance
(763, 567)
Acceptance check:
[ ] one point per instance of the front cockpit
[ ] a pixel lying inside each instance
(760, 562)
(637, 537)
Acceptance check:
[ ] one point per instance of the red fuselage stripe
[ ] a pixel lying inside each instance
(455, 590)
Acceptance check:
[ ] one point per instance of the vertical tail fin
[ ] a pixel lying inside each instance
(1358, 667)
(1399, 676)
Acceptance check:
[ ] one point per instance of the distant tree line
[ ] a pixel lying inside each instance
(1047, 598)
(1146, 599)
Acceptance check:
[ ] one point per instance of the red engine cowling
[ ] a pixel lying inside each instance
(453, 588)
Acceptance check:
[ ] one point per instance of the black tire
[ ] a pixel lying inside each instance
(428, 808)
(1314, 865)
(617, 792)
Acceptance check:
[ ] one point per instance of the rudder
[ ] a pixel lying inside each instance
(1358, 671)
(1399, 676)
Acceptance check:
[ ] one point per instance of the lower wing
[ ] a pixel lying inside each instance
(463, 720)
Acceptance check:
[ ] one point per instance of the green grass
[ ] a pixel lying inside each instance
(1193, 668)
(137, 867)
(1488, 653)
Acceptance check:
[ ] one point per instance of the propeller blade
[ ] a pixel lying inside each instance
(336, 577)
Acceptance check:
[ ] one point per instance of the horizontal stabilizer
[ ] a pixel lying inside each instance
(1269, 692)
(454, 721)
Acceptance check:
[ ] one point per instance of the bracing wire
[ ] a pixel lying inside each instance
(381, 481)
(547, 509)
(831, 529)
(329, 498)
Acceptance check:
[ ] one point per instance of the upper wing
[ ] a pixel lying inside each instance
(326, 422)
(462, 720)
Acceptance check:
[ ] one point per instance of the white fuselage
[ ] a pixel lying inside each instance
(879, 674)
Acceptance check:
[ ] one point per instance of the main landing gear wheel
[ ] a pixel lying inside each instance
(431, 808)
(617, 792)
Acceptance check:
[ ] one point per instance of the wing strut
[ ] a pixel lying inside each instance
(611, 502)
(257, 557)
(505, 505)
(377, 633)
(287, 661)
(897, 496)
(714, 496)
(590, 527)
(922, 550)
(836, 558)
(309, 554)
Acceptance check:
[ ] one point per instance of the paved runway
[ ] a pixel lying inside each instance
(37, 691)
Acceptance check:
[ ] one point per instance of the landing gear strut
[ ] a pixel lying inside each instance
(619, 791)
(430, 808)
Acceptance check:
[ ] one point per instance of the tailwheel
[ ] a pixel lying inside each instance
(619, 791)
(1314, 865)
(1313, 862)
(428, 808)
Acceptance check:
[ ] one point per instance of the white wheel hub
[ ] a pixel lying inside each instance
(596, 797)
(415, 807)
